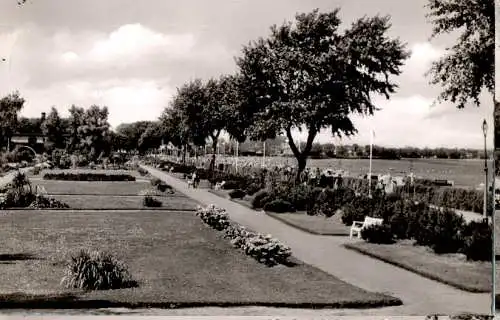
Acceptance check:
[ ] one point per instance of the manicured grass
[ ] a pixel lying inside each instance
(449, 269)
(313, 224)
(123, 202)
(175, 258)
(97, 188)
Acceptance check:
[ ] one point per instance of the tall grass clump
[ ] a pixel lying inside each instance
(94, 270)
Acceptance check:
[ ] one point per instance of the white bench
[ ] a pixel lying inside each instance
(219, 185)
(357, 226)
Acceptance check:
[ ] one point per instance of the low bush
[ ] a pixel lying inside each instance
(279, 206)
(231, 184)
(150, 201)
(259, 199)
(36, 170)
(237, 194)
(381, 234)
(357, 210)
(93, 270)
(42, 202)
(142, 171)
(253, 188)
(86, 176)
(215, 217)
(264, 249)
(477, 241)
(441, 230)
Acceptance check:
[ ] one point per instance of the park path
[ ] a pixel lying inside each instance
(420, 296)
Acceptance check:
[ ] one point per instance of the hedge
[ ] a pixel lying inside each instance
(69, 176)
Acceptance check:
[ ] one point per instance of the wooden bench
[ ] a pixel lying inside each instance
(357, 226)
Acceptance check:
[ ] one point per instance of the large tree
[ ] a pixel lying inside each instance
(311, 75)
(54, 130)
(468, 66)
(132, 133)
(152, 137)
(94, 131)
(75, 121)
(10, 106)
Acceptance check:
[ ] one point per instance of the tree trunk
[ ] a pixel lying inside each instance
(212, 161)
(302, 162)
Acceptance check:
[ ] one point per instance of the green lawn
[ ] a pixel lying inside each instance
(313, 224)
(300, 220)
(123, 202)
(175, 258)
(450, 269)
(92, 188)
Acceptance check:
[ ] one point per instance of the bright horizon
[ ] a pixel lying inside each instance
(131, 58)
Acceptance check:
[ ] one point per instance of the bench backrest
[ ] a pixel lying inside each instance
(369, 221)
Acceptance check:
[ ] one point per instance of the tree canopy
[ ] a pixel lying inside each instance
(308, 74)
(468, 66)
(10, 106)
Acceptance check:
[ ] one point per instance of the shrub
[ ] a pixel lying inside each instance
(253, 188)
(87, 176)
(259, 199)
(41, 202)
(155, 182)
(37, 170)
(441, 230)
(215, 217)
(237, 194)
(149, 201)
(381, 234)
(93, 270)
(163, 187)
(142, 171)
(231, 184)
(357, 210)
(264, 249)
(279, 206)
(298, 196)
(478, 243)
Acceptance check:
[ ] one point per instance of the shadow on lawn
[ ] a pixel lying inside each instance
(8, 257)
(74, 301)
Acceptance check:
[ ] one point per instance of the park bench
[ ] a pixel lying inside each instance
(219, 185)
(357, 226)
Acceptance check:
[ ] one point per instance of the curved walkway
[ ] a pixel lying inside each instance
(421, 296)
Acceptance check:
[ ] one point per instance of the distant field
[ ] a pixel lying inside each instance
(463, 172)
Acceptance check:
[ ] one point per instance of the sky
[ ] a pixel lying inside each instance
(131, 56)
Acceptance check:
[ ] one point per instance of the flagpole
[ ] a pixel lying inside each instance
(237, 143)
(370, 173)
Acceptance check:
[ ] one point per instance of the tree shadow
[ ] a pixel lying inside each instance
(18, 257)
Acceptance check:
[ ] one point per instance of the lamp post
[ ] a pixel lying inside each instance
(485, 210)
(485, 201)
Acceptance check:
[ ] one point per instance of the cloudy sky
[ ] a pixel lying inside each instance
(132, 55)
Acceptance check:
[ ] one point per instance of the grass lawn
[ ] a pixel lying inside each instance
(449, 269)
(92, 188)
(313, 224)
(175, 258)
(123, 202)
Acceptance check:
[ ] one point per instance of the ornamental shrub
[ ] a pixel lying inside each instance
(237, 194)
(94, 270)
(259, 199)
(279, 206)
(213, 216)
(381, 234)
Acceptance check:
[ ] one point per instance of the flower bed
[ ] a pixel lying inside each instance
(88, 176)
(264, 248)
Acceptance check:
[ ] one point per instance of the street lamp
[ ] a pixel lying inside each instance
(485, 202)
